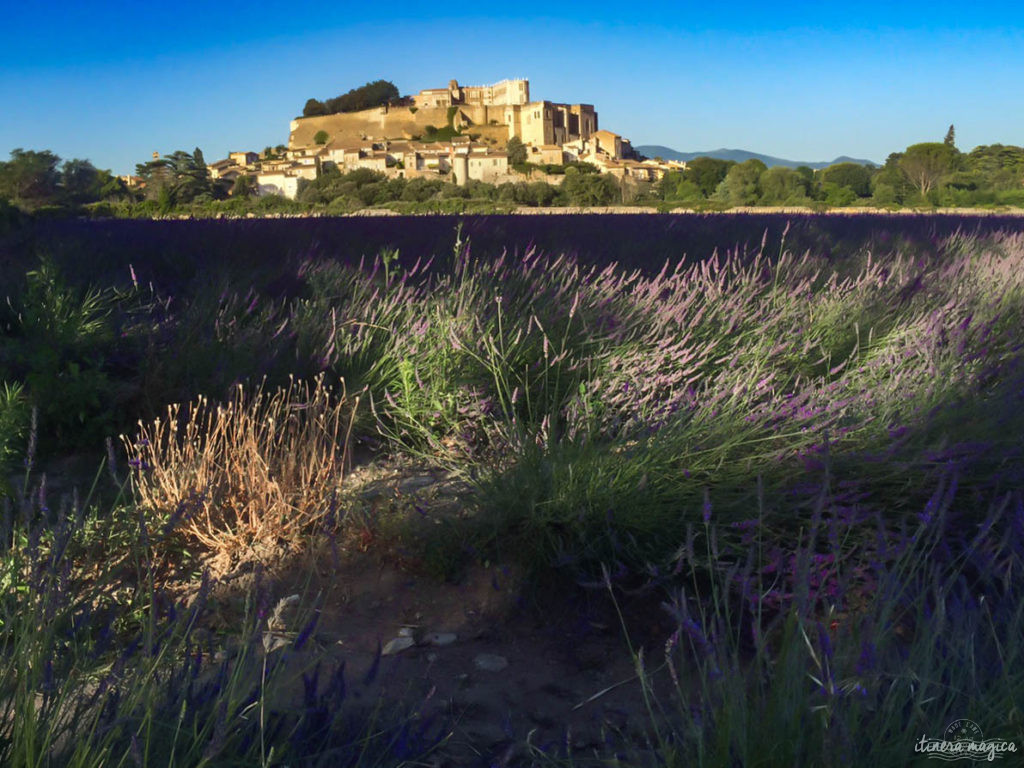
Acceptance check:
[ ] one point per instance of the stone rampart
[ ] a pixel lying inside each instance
(387, 123)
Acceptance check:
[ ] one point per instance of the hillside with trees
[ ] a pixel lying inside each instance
(375, 94)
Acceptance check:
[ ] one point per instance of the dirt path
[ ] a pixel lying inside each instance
(501, 666)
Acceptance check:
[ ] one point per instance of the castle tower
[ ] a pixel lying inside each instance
(460, 166)
(454, 91)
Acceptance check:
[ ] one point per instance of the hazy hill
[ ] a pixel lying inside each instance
(739, 155)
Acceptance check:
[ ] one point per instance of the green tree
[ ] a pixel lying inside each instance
(320, 137)
(177, 178)
(540, 193)
(421, 189)
(997, 166)
(8, 215)
(836, 195)
(82, 182)
(675, 186)
(741, 185)
(30, 178)
(516, 151)
(244, 186)
(808, 174)
(314, 108)
(782, 186)
(375, 94)
(950, 140)
(854, 176)
(587, 189)
(884, 193)
(926, 164)
(667, 185)
(889, 184)
(707, 173)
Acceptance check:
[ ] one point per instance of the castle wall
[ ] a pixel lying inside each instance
(533, 123)
(587, 117)
(396, 122)
(538, 122)
(386, 123)
(609, 143)
(511, 92)
(507, 92)
(434, 97)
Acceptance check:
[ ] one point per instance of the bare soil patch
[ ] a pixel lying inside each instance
(501, 661)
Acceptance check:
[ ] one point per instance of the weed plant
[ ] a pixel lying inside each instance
(246, 479)
(13, 413)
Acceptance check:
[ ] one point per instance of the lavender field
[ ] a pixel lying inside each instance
(800, 439)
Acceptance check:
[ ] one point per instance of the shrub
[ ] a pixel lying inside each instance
(58, 344)
(8, 215)
(865, 655)
(13, 413)
(884, 194)
(263, 467)
(837, 195)
(590, 189)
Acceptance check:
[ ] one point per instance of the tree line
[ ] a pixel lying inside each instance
(926, 174)
(375, 94)
(341, 192)
(33, 180)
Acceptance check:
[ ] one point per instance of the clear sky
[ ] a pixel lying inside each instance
(115, 81)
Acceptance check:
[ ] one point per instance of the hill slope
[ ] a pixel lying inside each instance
(739, 155)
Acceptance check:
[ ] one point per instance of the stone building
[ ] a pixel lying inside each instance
(500, 111)
(548, 122)
(243, 159)
(507, 92)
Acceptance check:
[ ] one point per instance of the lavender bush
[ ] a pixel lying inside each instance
(101, 666)
(866, 656)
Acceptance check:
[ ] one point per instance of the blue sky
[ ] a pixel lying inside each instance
(115, 81)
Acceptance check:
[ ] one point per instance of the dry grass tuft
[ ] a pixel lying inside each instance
(246, 479)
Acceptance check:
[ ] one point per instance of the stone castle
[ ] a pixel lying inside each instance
(504, 106)
(507, 103)
(396, 139)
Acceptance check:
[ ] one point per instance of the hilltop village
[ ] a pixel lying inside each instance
(456, 133)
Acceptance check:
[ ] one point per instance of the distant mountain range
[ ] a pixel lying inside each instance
(739, 155)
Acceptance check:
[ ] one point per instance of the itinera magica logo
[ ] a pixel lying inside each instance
(963, 740)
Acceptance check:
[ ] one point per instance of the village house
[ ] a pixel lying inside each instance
(389, 140)
(243, 159)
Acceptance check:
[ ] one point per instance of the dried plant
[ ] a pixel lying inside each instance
(250, 476)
